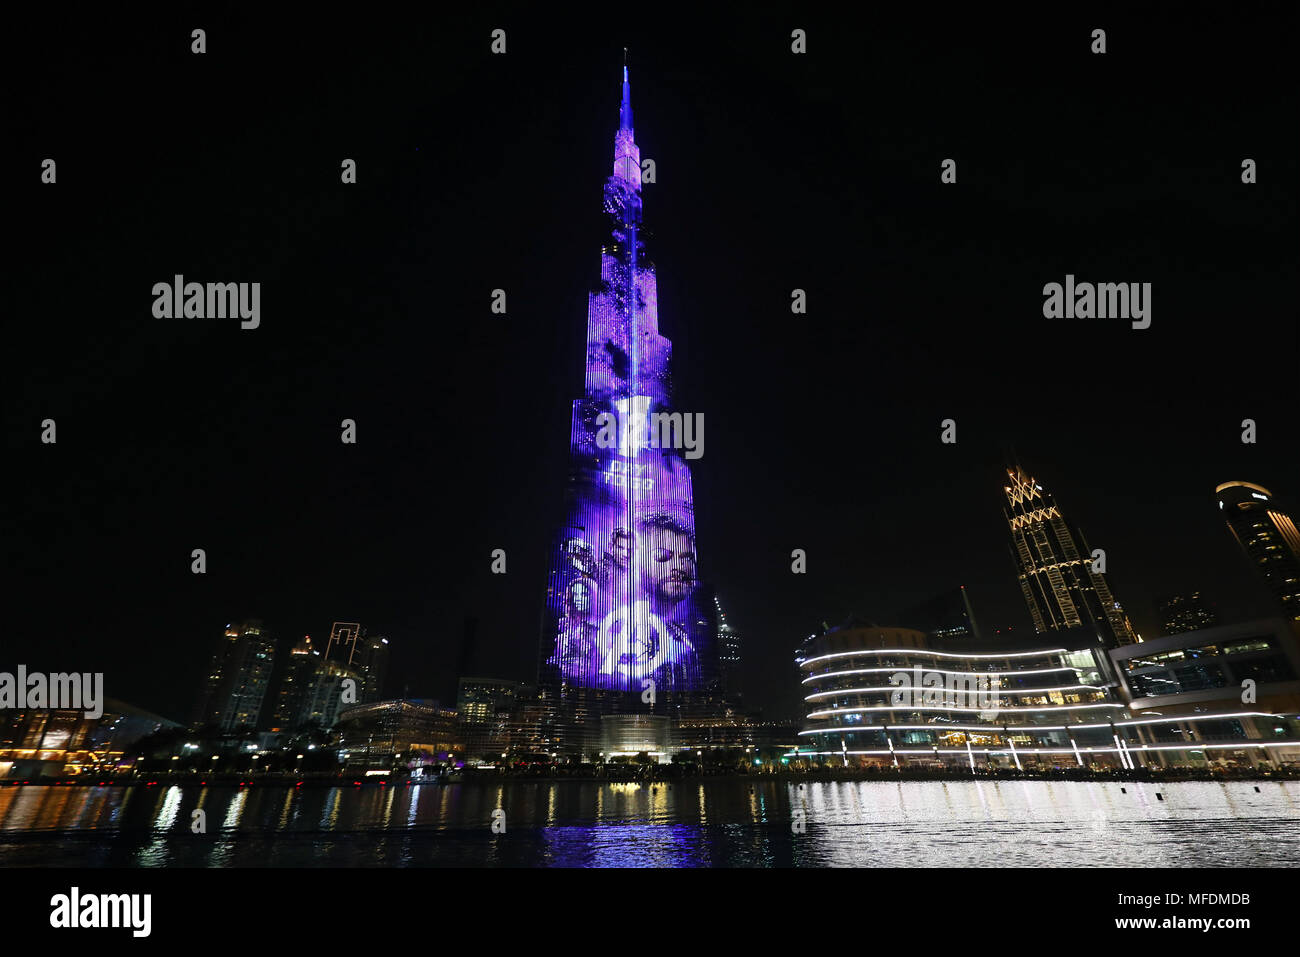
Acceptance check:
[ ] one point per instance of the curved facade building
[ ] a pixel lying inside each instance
(883, 696)
(880, 695)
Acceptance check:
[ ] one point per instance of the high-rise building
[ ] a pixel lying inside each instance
(485, 710)
(1058, 575)
(344, 642)
(1269, 538)
(728, 640)
(373, 665)
(235, 687)
(329, 694)
(481, 699)
(350, 672)
(293, 693)
(626, 621)
(367, 655)
(1186, 612)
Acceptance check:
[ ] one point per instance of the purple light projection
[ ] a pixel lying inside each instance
(624, 601)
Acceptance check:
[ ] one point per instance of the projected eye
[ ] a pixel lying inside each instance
(663, 554)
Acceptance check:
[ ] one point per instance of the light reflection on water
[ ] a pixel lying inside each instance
(721, 822)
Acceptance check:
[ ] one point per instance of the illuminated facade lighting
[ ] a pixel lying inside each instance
(238, 679)
(1055, 567)
(1046, 708)
(1269, 538)
(625, 609)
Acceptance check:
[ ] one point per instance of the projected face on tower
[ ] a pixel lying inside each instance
(666, 561)
(626, 606)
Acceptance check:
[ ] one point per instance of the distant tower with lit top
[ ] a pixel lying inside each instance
(728, 653)
(1269, 538)
(1056, 568)
(238, 679)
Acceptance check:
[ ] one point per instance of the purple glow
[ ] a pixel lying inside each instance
(624, 600)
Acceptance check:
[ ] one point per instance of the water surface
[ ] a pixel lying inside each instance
(714, 822)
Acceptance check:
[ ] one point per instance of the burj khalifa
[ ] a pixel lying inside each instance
(627, 623)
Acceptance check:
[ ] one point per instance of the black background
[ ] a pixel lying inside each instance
(775, 171)
(477, 896)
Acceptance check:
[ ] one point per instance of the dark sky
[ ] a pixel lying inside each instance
(775, 171)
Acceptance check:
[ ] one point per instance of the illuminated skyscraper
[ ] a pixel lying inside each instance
(728, 653)
(624, 606)
(350, 672)
(329, 694)
(238, 679)
(485, 711)
(1186, 612)
(344, 640)
(294, 690)
(350, 647)
(1056, 568)
(1269, 538)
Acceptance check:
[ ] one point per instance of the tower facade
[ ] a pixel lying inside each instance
(1185, 612)
(728, 650)
(1056, 568)
(623, 602)
(297, 672)
(366, 656)
(237, 680)
(1268, 536)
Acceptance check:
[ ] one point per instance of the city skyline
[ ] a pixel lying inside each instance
(244, 459)
(540, 440)
(372, 689)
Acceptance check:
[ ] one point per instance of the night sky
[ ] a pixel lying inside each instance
(775, 171)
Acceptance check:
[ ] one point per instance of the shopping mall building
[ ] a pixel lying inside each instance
(894, 696)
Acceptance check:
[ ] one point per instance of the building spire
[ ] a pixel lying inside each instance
(625, 111)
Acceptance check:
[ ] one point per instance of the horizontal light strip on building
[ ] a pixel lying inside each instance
(1191, 718)
(936, 654)
(1240, 746)
(932, 707)
(937, 671)
(983, 728)
(944, 688)
(1016, 728)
